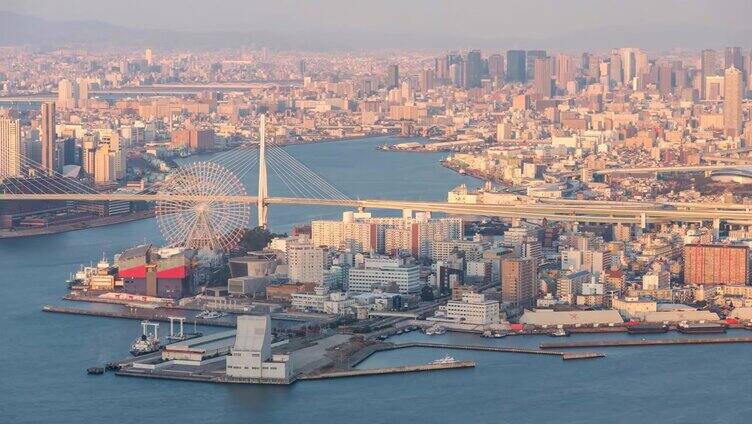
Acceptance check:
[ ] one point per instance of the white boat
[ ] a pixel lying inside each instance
(435, 330)
(445, 360)
(559, 333)
(210, 315)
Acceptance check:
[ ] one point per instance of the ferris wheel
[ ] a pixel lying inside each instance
(199, 210)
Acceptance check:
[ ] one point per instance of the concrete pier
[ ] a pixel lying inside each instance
(564, 355)
(137, 314)
(388, 370)
(644, 342)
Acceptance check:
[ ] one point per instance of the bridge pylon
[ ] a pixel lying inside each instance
(263, 192)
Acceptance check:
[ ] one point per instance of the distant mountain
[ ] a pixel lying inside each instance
(18, 29)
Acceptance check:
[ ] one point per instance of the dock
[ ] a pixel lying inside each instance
(563, 355)
(135, 314)
(388, 370)
(644, 342)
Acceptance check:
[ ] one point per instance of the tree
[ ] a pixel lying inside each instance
(257, 238)
(426, 293)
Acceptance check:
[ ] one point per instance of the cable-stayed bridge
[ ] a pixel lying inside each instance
(206, 203)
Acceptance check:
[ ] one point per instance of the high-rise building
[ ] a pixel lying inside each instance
(306, 263)
(67, 94)
(496, 67)
(393, 79)
(530, 57)
(474, 69)
(542, 82)
(516, 66)
(149, 56)
(665, 79)
(733, 57)
(47, 136)
(10, 148)
(707, 68)
(518, 281)
(615, 69)
(426, 80)
(732, 101)
(564, 70)
(712, 264)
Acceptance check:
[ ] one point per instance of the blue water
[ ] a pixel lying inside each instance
(43, 357)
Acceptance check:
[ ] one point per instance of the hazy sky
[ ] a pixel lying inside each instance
(470, 20)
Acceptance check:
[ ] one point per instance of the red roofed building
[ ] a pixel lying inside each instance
(166, 273)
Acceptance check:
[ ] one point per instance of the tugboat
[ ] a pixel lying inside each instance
(148, 342)
(95, 370)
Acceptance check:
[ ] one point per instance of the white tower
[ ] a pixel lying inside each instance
(262, 188)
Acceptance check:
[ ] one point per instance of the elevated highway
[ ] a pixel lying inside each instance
(554, 210)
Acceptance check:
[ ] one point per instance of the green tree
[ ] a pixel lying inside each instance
(257, 238)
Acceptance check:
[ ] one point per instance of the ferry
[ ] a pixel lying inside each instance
(445, 360)
(147, 342)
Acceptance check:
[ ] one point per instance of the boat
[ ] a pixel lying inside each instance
(95, 370)
(210, 315)
(559, 333)
(647, 328)
(148, 342)
(701, 328)
(435, 330)
(499, 335)
(445, 360)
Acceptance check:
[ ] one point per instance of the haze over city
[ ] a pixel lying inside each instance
(365, 212)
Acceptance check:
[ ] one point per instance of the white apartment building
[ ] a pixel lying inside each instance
(656, 280)
(381, 272)
(473, 309)
(306, 262)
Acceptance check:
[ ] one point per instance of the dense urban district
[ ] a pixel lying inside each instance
(667, 131)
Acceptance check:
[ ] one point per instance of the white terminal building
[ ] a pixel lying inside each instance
(251, 358)
(377, 272)
(473, 309)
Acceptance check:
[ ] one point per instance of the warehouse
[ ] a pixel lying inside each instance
(548, 318)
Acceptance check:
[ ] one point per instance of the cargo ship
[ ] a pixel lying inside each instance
(701, 328)
(647, 328)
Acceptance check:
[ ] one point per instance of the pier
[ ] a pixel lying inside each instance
(388, 370)
(644, 342)
(564, 355)
(128, 313)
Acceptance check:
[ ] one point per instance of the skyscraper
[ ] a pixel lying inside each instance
(426, 80)
(496, 67)
(393, 76)
(516, 65)
(148, 55)
(47, 136)
(531, 55)
(67, 94)
(733, 58)
(732, 102)
(707, 68)
(474, 69)
(542, 77)
(665, 79)
(564, 70)
(10, 148)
